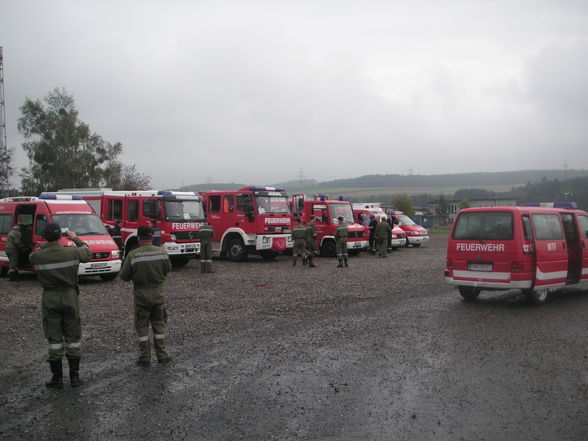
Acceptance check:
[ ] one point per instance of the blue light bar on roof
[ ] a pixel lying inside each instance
(65, 197)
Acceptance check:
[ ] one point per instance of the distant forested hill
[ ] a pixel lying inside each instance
(480, 180)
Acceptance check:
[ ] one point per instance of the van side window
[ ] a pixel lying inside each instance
(583, 221)
(133, 210)
(214, 204)
(114, 209)
(527, 230)
(547, 227)
(40, 224)
(5, 221)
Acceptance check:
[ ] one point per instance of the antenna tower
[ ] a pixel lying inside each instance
(3, 144)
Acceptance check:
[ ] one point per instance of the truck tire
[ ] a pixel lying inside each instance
(469, 292)
(108, 276)
(236, 250)
(329, 249)
(538, 297)
(177, 261)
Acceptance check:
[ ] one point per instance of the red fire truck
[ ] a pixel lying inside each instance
(178, 214)
(326, 212)
(249, 220)
(33, 214)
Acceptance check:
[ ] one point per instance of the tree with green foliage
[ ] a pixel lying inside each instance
(442, 206)
(6, 170)
(119, 176)
(403, 203)
(62, 150)
(464, 204)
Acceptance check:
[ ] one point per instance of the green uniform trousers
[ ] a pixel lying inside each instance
(61, 323)
(12, 259)
(341, 248)
(382, 246)
(150, 309)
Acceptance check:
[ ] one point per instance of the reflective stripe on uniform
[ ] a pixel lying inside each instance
(149, 258)
(146, 338)
(51, 266)
(159, 336)
(72, 345)
(55, 345)
(205, 261)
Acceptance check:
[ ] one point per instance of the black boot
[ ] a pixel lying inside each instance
(294, 261)
(13, 276)
(311, 263)
(346, 264)
(56, 381)
(340, 263)
(74, 372)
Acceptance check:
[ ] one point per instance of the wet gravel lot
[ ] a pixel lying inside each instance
(383, 350)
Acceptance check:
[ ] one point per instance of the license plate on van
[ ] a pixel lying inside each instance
(99, 265)
(476, 266)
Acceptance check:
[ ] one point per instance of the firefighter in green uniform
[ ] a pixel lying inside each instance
(147, 266)
(12, 252)
(311, 244)
(57, 270)
(206, 233)
(299, 238)
(381, 232)
(341, 234)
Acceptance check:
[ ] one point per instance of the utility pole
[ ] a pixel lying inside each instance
(3, 144)
(300, 177)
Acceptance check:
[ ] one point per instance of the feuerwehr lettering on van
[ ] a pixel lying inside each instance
(492, 247)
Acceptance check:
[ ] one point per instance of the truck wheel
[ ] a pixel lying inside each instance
(108, 276)
(469, 292)
(329, 249)
(416, 245)
(179, 260)
(268, 255)
(536, 297)
(236, 250)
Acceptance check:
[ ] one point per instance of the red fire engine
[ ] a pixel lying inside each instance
(326, 212)
(178, 214)
(249, 220)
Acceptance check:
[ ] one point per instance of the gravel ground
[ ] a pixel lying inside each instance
(381, 350)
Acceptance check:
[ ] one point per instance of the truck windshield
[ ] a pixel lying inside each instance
(272, 204)
(344, 210)
(487, 225)
(81, 224)
(183, 210)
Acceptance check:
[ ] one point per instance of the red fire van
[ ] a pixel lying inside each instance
(534, 249)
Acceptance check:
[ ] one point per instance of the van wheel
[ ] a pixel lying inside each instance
(236, 250)
(469, 292)
(329, 249)
(108, 276)
(536, 297)
(416, 245)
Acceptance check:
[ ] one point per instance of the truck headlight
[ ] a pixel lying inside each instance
(115, 254)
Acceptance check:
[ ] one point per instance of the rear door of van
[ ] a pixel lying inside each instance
(583, 233)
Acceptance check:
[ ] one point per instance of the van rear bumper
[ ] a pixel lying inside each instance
(494, 284)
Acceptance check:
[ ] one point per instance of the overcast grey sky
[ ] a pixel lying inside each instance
(256, 91)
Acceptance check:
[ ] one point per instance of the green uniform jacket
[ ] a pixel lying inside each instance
(299, 232)
(342, 232)
(146, 266)
(57, 266)
(205, 233)
(13, 240)
(382, 230)
(311, 236)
